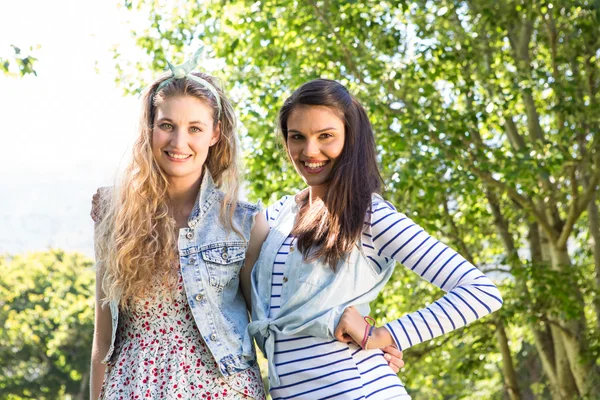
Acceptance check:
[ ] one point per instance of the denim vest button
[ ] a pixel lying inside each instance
(213, 336)
(224, 255)
(190, 235)
(285, 279)
(199, 297)
(192, 260)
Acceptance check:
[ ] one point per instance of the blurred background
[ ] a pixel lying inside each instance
(487, 123)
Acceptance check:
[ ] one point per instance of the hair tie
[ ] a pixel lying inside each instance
(183, 71)
(368, 331)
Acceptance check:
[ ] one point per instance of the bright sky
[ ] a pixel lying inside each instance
(65, 131)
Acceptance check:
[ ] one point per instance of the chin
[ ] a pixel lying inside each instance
(180, 173)
(315, 182)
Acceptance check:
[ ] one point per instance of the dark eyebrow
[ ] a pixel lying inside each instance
(319, 131)
(331, 128)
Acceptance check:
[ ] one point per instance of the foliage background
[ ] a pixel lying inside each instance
(486, 116)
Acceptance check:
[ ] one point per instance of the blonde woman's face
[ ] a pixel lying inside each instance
(182, 134)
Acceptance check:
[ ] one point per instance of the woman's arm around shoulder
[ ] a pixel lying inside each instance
(102, 338)
(102, 320)
(99, 201)
(257, 237)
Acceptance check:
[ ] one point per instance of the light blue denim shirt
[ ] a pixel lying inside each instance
(210, 258)
(314, 297)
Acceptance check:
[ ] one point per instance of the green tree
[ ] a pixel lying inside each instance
(23, 63)
(486, 116)
(47, 315)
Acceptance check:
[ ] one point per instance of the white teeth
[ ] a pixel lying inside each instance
(179, 156)
(315, 165)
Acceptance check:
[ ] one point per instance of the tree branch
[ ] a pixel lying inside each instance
(455, 234)
(525, 202)
(512, 132)
(579, 204)
(558, 324)
(347, 54)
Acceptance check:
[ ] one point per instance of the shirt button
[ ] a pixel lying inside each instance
(285, 279)
(213, 336)
(189, 235)
(199, 297)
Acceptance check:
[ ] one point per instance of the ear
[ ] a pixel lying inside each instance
(216, 135)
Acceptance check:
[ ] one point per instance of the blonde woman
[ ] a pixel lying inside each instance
(171, 247)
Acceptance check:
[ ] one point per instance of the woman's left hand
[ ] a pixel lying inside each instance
(352, 328)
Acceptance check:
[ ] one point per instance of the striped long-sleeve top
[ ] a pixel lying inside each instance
(311, 367)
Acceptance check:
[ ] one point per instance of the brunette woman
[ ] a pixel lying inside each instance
(331, 249)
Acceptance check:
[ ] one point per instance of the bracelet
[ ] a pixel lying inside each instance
(368, 332)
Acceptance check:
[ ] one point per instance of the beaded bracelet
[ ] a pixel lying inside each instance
(368, 332)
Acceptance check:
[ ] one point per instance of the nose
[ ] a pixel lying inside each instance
(312, 147)
(178, 138)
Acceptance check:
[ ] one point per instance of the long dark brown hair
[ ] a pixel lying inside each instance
(330, 227)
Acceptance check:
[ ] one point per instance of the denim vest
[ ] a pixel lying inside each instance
(314, 296)
(210, 258)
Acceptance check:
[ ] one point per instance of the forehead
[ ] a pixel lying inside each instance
(184, 108)
(314, 118)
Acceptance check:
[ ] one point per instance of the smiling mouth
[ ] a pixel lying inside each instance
(315, 167)
(178, 156)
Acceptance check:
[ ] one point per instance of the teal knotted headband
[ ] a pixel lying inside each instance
(184, 70)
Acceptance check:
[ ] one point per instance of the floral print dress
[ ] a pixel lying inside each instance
(160, 354)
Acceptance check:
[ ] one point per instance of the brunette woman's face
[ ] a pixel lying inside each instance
(182, 134)
(315, 141)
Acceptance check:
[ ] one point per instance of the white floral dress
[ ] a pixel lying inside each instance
(159, 354)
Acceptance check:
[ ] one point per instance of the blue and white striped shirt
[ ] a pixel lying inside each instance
(311, 367)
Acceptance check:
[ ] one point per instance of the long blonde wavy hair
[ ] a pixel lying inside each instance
(136, 238)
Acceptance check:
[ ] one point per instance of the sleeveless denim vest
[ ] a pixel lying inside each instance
(210, 258)
(314, 296)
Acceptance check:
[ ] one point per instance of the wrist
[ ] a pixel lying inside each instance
(381, 338)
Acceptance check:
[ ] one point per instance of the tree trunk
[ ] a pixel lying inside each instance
(508, 369)
(545, 348)
(566, 382)
(563, 386)
(83, 387)
(595, 236)
(573, 333)
(543, 338)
